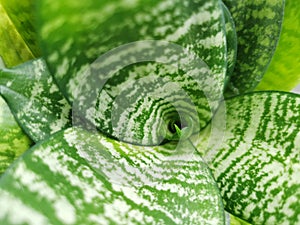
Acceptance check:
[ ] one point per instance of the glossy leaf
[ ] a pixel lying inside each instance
(34, 99)
(258, 26)
(18, 38)
(76, 177)
(284, 71)
(255, 156)
(159, 53)
(13, 141)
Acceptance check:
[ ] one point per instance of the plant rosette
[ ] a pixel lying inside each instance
(125, 113)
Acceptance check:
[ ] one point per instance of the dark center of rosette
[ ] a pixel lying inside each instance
(145, 104)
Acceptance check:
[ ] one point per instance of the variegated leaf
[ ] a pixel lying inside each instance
(255, 156)
(284, 71)
(76, 177)
(258, 26)
(231, 41)
(13, 141)
(34, 99)
(150, 56)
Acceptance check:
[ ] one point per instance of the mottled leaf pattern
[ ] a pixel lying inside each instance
(76, 177)
(284, 71)
(34, 99)
(255, 158)
(258, 26)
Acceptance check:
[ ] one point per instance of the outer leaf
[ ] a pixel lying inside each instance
(13, 142)
(256, 158)
(18, 38)
(76, 177)
(283, 72)
(231, 41)
(75, 35)
(34, 99)
(258, 26)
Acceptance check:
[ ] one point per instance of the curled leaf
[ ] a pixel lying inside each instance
(137, 66)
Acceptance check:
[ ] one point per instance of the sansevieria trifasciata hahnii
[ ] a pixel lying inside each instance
(143, 112)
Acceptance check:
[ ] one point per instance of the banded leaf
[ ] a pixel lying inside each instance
(18, 38)
(76, 177)
(98, 52)
(258, 26)
(283, 73)
(255, 158)
(34, 99)
(13, 141)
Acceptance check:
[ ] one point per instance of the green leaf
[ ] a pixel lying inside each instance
(255, 156)
(284, 71)
(231, 42)
(34, 99)
(13, 142)
(77, 177)
(18, 38)
(258, 26)
(237, 221)
(160, 53)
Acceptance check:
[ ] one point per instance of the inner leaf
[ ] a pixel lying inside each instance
(95, 51)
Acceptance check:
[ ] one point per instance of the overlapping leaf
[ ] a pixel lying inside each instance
(34, 99)
(18, 39)
(76, 177)
(258, 26)
(284, 71)
(255, 158)
(231, 41)
(13, 141)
